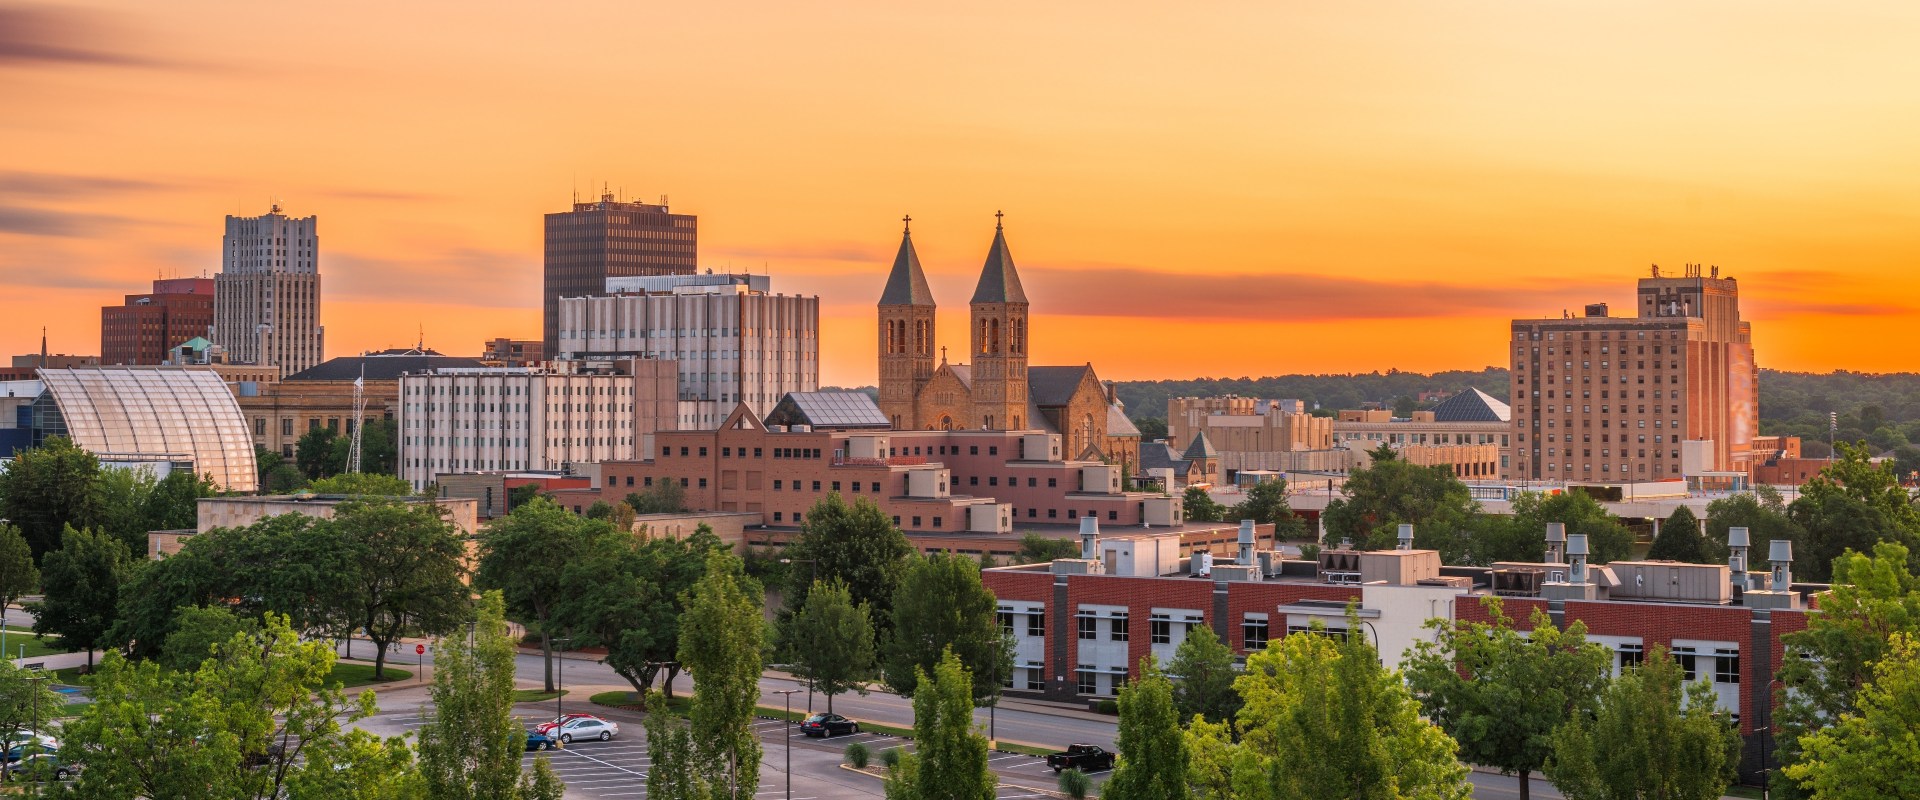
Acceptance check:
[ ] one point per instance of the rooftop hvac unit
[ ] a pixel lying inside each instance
(1518, 582)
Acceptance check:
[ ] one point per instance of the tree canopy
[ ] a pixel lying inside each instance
(1376, 499)
(49, 488)
(722, 640)
(1153, 750)
(1680, 540)
(943, 607)
(1654, 735)
(854, 542)
(1873, 751)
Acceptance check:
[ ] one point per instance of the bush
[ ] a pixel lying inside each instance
(1075, 784)
(1106, 707)
(857, 755)
(1310, 552)
(890, 758)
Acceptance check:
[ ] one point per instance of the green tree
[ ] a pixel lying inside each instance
(379, 448)
(600, 510)
(1038, 549)
(1763, 512)
(82, 583)
(950, 759)
(942, 606)
(404, 565)
(1869, 753)
(524, 493)
(526, 555)
(1200, 506)
(50, 487)
(1873, 599)
(1853, 504)
(1267, 504)
(125, 493)
(277, 474)
(856, 543)
(1680, 540)
(665, 496)
(1203, 677)
(1322, 718)
(255, 721)
(18, 575)
(832, 642)
(1500, 693)
(315, 455)
(673, 772)
(471, 746)
(1654, 735)
(199, 630)
(1607, 539)
(629, 596)
(1153, 749)
(370, 484)
(1151, 428)
(722, 642)
(1210, 750)
(27, 703)
(1377, 499)
(174, 502)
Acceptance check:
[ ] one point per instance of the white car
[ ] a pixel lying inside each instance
(47, 743)
(587, 728)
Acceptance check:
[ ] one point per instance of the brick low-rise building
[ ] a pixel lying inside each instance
(1076, 637)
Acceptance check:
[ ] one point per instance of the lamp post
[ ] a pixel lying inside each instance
(560, 685)
(786, 714)
(813, 576)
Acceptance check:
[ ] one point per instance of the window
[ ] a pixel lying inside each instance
(1160, 630)
(1089, 626)
(1053, 482)
(1084, 681)
(1726, 666)
(1253, 632)
(703, 483)
(1006, 622)
(1036, 682)
(259, 426)
(703, 452)
(776, 484)
(1036, 623)
(816, 486)
(1118, 625)
(286, 426)
(776, 516)
(1687, 663)
(1631, 655)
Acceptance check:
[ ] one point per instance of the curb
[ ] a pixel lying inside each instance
(882, 777)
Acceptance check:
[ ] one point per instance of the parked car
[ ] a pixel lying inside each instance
(539, 741)
(824, 725)
(1083, 757)
(547, 727)
(590, 728)
(47, 742)
(41, 766)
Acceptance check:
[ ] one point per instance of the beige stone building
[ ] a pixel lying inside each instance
(1599, 398)
(278, 414)
(1469, 431)
(1247, 425)
(267, 295)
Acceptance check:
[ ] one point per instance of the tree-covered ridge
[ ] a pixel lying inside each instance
(1331, 392)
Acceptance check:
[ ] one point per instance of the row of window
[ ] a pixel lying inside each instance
(1604, 335)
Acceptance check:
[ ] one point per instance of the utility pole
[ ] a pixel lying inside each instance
(560, 687)
(786, 714)
(813, 577)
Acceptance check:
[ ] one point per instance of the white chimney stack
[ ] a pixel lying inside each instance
(1780, 552)
(1556, 542)
(1738, 540)
(1089, 537)
(1246, 543)
(1577, 558)
(1406, 536)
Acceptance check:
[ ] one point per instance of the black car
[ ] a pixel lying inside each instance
(823, 725)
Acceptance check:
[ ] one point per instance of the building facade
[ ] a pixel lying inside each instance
(513, 352)
(147, 326)
(610, 239)
(735, 341)
(1599, 398)
(525, 418)
(278, 414)
(267, 295)
(1245, 424)
(998, 391)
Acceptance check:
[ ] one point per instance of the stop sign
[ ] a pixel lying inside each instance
(419, 649)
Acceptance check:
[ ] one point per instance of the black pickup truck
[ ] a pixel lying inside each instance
(1083, 757)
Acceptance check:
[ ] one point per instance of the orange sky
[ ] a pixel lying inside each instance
(1235, 188)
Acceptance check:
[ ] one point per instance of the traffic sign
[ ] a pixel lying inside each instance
(419, 649)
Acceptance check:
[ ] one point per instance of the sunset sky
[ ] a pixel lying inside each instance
(1235, 188)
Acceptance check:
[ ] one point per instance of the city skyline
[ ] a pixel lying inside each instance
(1177, 181)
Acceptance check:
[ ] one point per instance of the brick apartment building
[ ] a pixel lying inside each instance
(147, 326)
(1669, 393)
(1074, 637)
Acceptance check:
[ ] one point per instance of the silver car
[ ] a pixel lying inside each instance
(588, 728)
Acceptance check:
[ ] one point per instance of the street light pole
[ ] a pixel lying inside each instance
(786, 714)
(560, 686)
(813, 577)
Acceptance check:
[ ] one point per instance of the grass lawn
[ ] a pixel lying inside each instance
(35, 647)
(356, 675)
(625, 699)
(536, 695)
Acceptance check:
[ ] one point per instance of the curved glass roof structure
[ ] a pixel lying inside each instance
(155, 414)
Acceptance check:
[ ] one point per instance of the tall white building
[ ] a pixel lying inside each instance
(267, 296)
(734, 341)
(529, 418)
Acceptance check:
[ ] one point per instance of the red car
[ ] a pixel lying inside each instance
(546, 728)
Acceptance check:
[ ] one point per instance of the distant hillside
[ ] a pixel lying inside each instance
(1148, 399)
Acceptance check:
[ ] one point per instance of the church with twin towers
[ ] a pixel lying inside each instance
(922, 389)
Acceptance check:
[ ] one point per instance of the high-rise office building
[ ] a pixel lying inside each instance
(267, 295)
(735, 341)
(144, 329)
(1667, 394)
(610, 239)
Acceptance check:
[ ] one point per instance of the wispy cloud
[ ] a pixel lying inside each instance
(459, 275)
(53, 185)
(42, 35)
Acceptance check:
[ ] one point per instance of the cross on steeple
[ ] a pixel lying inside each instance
(908, 219)
(943, 354)
(996, 220)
